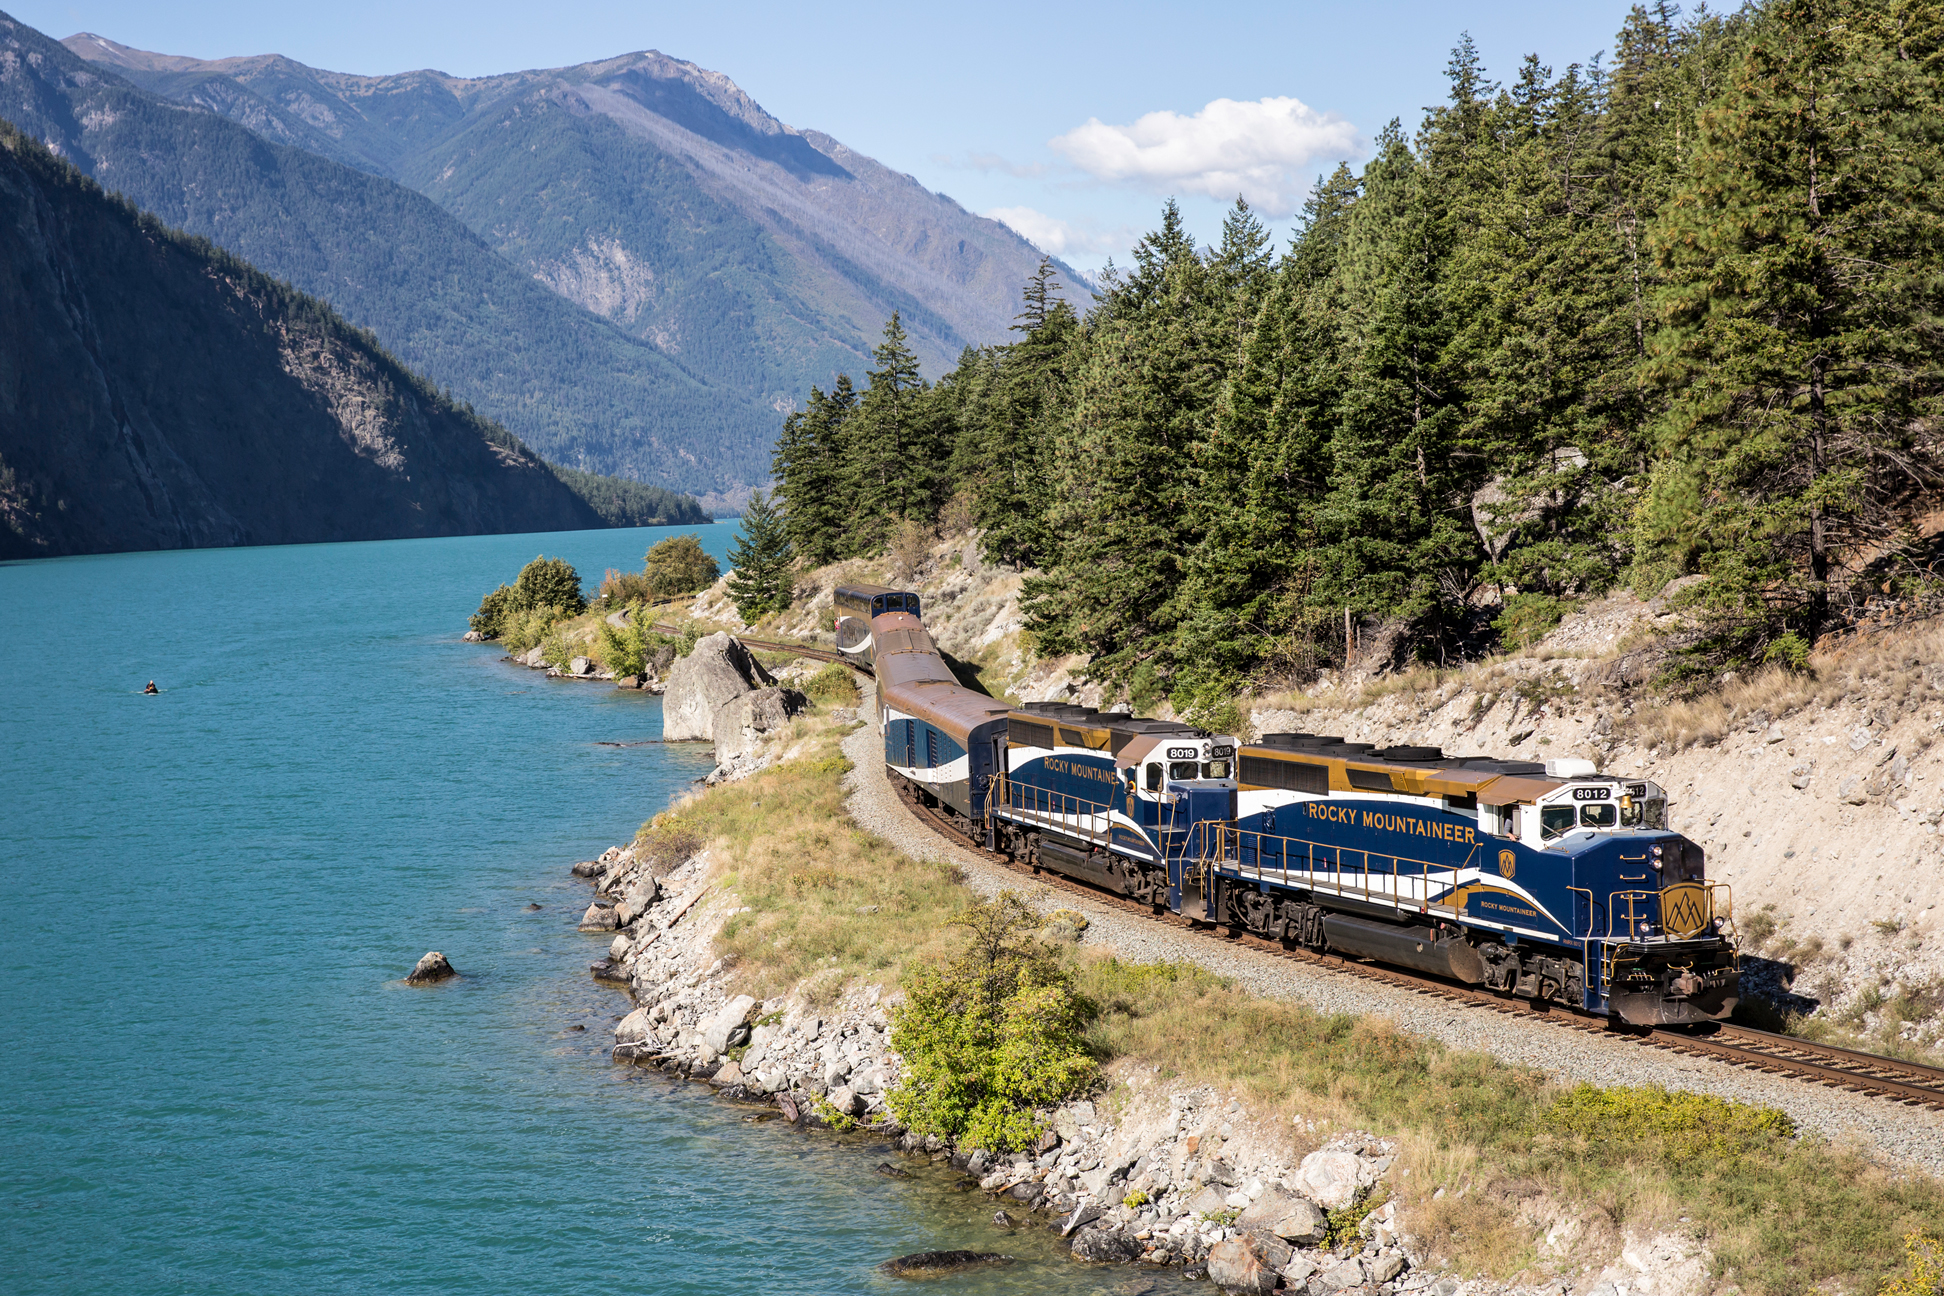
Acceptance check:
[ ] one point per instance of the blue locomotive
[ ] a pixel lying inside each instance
(1550, 882)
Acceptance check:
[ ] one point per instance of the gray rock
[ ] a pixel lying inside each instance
(633, 1029)
(1209, 1201)
(1298, 1271)
(835, 1073)
(846, 1101)
(599, 918)
(588, 869)
(1348, 1273)
(433, 967)
(1028, 1191)
(1288, 1217)
(1101, 1247)
(1445, 1287)
(1242, 1264)
(741, 721)
(717, 1030)
(927, 1263)
(1080, 1218)
(473, 636)
(1328, 1178)
(618, 948)
(1385, 1268)
(580, 666)
(1002, 1219)
(718, 670)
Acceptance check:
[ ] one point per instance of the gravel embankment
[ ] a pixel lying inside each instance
(1912, 1136)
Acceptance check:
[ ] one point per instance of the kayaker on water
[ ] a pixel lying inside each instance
(151, 688)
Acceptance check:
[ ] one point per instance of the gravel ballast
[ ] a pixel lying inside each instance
(1911, 1135)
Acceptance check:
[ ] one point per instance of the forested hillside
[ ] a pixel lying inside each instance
(158, 393)
(1669, 313)
(574, 386)
(654, 193)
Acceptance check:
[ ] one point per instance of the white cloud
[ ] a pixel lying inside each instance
(1060, 238)
(1262, 150)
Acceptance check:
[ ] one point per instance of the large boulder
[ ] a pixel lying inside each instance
(1288, 1217)
(598, 918)
(1103, 1247)
(740, 722)
(717, 1030)
(433, 967)
(1328, 1178)
(634, 1028)
(718, 670)
(1248, 1263)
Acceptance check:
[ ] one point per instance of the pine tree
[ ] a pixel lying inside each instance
(1800, 340)
(763, 561)
(812, 476)
(1013, 491)
(894, 454)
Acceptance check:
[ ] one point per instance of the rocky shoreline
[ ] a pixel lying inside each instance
(1184, 1178)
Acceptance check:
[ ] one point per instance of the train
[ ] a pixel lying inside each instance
(1547, 881)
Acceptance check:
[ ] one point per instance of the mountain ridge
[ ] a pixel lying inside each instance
(157, 392)
(815, 244)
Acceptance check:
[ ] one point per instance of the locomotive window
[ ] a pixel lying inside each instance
(1183, 770)
(1656, 812)
(1154, 778)
(1215, 770)
(911, 604)
(1554, 820)
(1600, 814)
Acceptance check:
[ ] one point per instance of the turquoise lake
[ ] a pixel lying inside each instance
(211, 1077)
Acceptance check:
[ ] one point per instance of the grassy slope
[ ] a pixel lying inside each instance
(828, 904)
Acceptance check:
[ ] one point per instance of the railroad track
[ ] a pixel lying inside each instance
(1907, 1083)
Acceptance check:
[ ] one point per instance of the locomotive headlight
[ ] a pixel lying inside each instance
(1657, 852)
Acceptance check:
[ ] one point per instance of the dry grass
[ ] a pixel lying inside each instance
(827, 903)
(1781, 1215)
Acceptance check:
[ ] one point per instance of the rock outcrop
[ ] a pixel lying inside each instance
(719, 670)
(433, 967)
(741, 723)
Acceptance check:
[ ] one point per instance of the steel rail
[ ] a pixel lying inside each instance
(1907, 1083)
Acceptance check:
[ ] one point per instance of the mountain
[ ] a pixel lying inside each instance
(577, 388)
(657, 195)
(157, 393)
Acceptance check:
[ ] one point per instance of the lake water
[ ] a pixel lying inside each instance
(211, 1077)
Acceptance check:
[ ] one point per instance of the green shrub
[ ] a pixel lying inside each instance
(550, 582)
(991, 1035)
(1528, 618)
(494, 610)
(523, 629)
(623, 589)
(678, 565)
(831, 686)
(1679, 1127)
(665, 843)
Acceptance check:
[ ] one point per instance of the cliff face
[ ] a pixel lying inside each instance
(156, 393)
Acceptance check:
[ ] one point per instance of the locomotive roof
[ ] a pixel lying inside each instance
(913, 677)
(1109, 731)
(869, 591)
(1413, 770)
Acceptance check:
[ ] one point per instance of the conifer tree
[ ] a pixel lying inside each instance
(763, 560)
(891, 451)
(812, 476)
(1800, 340)
(1014, 475)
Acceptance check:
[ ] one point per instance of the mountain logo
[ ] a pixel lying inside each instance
(1508, 863)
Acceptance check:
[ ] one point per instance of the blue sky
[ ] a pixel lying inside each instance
(1072, 122)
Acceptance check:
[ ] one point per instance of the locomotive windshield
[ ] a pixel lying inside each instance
(1554, 820)
(1215, 769)
(1184, 770)
(1604, 814)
